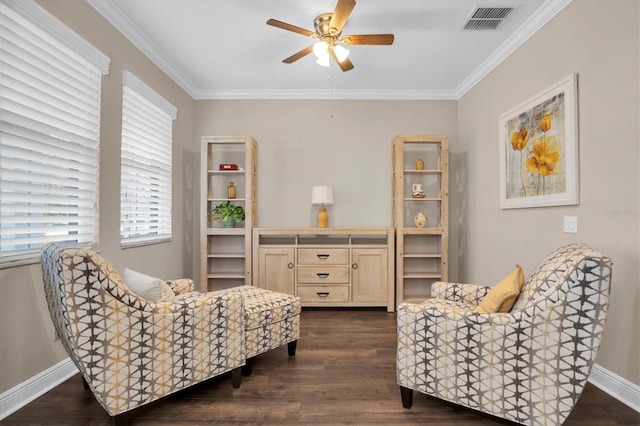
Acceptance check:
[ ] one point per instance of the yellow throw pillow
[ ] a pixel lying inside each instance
(503, 295)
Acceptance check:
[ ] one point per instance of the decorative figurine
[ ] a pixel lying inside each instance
(417, 192)
(420, 220)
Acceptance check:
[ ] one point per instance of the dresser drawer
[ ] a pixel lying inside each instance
(321, 256)
(323, 293)
(323, 274)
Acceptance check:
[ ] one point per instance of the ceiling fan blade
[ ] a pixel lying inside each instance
(341, 14)
(289, 27)
(301, 54)
(345, 65)
(371, 39)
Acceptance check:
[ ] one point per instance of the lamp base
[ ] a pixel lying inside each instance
(323, 218)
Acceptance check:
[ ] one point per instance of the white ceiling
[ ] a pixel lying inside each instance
(223, 49)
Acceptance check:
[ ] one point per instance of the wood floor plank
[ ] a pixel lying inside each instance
(343, 373)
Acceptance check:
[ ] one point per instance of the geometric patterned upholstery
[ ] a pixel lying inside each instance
(530, 365)
(131, 351)
(271, 319)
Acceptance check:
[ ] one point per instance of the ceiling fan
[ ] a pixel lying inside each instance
(329, 37)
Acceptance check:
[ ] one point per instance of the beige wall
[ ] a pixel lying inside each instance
(601, 45)
(26, 347)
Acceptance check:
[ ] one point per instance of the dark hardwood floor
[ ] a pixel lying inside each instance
(343, 373)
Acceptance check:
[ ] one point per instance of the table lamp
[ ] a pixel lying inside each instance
(322, 196)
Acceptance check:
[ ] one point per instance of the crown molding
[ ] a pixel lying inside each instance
(119, 20)
(548, 10)
(327, 94)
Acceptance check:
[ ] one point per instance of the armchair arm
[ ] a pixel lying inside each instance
(459, 292)
(456, 314)
(181, 286)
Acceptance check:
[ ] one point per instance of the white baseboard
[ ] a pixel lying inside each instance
(22, 394)
(618, 387)
(17, 397)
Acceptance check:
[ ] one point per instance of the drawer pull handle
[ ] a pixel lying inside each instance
(322, 274)
(323, 256)
(354, 266)
(290, 265)
(322, 293)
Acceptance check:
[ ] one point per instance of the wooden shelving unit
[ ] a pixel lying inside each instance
(421, 253)
(225, 253)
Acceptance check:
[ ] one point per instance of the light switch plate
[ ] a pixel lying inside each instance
(571, 224)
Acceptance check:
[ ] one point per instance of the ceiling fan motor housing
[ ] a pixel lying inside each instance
(326, 33)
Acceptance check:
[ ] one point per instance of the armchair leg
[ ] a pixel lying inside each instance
(235, 377)
(85, 385)
(407, 397)
(291, 347)
(246, 368)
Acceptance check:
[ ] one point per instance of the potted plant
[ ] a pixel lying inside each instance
(229, 214)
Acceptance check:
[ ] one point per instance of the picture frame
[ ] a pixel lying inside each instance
(539, 149)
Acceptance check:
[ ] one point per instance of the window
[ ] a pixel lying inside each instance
(50, 82)
(145, 203)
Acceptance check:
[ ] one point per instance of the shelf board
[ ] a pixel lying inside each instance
(222, 200)
(423, 172)
(421, 276)
(423, 255)
(226, 172)
(422, 231)
(228, 276)
(422, 199)
(225, 231)
(226, 255)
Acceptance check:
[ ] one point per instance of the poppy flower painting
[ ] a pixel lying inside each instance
(538, 149)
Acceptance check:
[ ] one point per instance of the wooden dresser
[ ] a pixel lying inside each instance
(327, 266)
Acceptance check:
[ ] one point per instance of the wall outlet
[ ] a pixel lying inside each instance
(571, 224)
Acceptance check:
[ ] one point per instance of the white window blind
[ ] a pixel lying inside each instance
(145, 203)
(50, 82)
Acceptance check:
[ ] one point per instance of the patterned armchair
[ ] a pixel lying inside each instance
(529, 365)
(131, 351)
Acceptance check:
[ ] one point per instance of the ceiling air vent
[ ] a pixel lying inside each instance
(487, 18)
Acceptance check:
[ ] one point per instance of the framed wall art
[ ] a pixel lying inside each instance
(539, 149)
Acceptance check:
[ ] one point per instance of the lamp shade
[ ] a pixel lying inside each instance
(322, 195)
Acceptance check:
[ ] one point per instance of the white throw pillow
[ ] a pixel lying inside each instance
(147, 287)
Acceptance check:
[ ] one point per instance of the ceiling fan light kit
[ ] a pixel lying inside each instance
(328, 33)
(321, 50)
